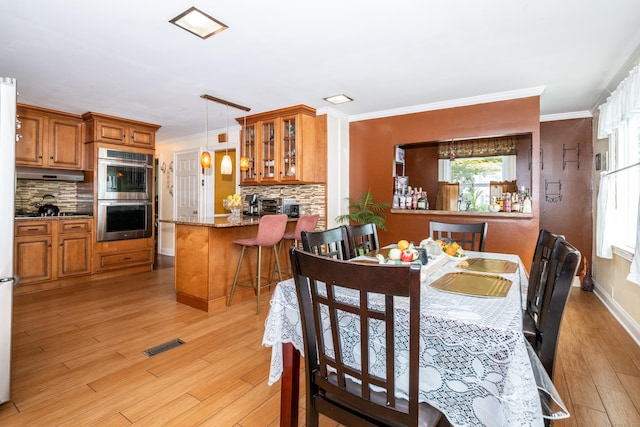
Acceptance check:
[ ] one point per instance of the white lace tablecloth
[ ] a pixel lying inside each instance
(474, 362)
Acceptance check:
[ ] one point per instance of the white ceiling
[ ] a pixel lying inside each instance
(123, 57)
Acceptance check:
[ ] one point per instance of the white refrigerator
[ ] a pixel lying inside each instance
(8, 96)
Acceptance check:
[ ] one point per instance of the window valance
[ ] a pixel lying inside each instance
(484, 147)
(622, 104)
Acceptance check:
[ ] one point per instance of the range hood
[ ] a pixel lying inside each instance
(49, 174)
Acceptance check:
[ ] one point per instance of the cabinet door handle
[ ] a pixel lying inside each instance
(39, 157)
(49, 245)
(76, 226)
(127, 258)
(61, 244)
(33, 229)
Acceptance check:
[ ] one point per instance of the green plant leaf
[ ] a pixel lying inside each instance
(364, 210)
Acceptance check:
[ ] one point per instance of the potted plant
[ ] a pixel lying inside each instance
(364, 210)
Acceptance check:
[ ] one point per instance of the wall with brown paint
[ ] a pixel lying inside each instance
(572, 215)
(372, 145)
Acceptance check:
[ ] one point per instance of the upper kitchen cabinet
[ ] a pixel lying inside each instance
(50, 139)
(115, 130)
(284, 146)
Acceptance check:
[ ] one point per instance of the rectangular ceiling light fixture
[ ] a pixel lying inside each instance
(338, 99)
(199, 23)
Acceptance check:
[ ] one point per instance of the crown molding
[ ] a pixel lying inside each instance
(566, 116)
(462, 102)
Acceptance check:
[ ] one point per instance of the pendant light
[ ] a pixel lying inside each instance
(244, 160)
(205, 157)
(226, 167)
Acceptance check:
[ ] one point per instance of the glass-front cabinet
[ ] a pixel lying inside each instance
(289, 149)
(268, 149)
(248, 150)
(283, 146)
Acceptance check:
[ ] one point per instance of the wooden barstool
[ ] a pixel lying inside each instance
(270, 231)
(305, 223)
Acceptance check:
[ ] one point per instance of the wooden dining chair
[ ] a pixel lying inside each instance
(335, 385)
(537, 280)
(470, 236)
(562, 267)
(362, 239)
(332, 243)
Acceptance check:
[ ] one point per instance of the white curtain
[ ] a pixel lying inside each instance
(509, 168)
(623, 102)
(605, 222)
(634, 272)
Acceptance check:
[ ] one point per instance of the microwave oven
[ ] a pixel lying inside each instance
(124, 175)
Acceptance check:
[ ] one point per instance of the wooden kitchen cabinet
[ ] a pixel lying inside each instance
(283, 146)
(115, 130)
(74, 247)
(49, 139)
(48, 250)
(33, 253)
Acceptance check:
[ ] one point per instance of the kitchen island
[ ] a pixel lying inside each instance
(206, 259)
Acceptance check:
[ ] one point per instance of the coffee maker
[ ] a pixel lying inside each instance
(252, 205)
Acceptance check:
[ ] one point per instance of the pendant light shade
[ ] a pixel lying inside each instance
(205, 160)
(244, 163)
(205, 157)
(226, 166)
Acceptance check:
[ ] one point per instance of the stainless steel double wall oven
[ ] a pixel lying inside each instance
(125, 192)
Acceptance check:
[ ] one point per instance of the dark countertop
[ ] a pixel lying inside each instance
(57, 217)
(220, 221)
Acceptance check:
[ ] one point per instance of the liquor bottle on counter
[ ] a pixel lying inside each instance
(422, 201)
(414, 199)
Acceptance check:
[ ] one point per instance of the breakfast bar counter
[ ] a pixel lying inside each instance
(206, 259)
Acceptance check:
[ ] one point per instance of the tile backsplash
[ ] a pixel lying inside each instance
(310, 197)
(29, 193)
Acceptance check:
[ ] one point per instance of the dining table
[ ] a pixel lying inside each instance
(476, 367)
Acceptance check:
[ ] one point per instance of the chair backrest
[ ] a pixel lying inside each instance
(305, 223)
(469, 236)
(563, 265)
(362, 239)
(332, 243)
(271, 229)
(330, 291)
(539, 270)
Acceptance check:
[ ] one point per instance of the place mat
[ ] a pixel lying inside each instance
(487, 265)
(483, 285)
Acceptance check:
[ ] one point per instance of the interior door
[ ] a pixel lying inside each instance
(187, 190)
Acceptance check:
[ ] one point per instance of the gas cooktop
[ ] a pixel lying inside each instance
(60, 214)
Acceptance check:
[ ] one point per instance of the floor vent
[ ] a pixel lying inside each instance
(163, 347)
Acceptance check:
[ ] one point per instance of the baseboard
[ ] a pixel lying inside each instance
(629, 324)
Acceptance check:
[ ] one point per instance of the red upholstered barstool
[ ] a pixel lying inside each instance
(305, 223)
(270, 231)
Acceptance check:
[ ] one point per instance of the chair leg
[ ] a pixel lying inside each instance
(235, 279)
(276, 252)
(274, 265)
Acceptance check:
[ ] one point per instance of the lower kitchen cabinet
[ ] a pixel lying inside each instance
(48, 250)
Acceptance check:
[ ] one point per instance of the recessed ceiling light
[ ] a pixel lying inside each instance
(338, 99)
(199, 23)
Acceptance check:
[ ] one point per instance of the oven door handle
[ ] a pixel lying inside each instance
(124, 163)
(123, 203)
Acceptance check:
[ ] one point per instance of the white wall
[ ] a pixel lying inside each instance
(165, 153)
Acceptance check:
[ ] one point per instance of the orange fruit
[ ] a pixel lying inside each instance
(455, 245)
(403, 244)
(451, 251)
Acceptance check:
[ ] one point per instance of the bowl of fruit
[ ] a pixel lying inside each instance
(403, 253)
(452, 249)
(233, 203)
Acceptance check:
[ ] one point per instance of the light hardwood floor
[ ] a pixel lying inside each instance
(78, 361)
